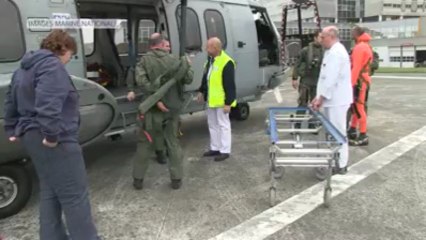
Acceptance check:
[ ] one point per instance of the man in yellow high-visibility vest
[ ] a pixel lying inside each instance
(219, 91)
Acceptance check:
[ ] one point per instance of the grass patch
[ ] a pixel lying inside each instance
(400, 70)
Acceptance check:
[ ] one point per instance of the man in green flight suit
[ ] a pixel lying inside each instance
(161, 120)
(308, 69)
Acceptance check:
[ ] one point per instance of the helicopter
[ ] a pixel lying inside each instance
(106, 57)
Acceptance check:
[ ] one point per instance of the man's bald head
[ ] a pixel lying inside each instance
(332, 31)
(156, 41)
(329, 35)
(214, 47)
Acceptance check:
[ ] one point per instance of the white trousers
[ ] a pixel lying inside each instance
(337, 117)
(220, 130)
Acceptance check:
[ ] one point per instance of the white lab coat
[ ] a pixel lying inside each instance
(335, 86)
(334, 83)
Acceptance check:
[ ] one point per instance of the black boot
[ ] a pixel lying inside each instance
(352, 134)
(211, 153)
(161, 157)
(362, 140)
(341, 171)
(138, 184)
(176, 183)
(222, 157)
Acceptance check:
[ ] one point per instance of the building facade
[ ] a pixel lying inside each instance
(398, 27)
(335, 11)
(399, 43)
(331, 11)
(385, 10)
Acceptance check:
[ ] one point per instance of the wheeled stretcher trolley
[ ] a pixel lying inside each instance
(301, 137)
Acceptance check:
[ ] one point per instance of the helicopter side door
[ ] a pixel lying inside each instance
(244, 50)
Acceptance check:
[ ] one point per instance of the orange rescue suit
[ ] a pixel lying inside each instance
(361, 58)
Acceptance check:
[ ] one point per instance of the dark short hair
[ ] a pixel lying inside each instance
(155, 40)
(317, 33)
(358, 30)
(59, 41)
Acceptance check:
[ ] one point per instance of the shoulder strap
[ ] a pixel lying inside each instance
(310, 53)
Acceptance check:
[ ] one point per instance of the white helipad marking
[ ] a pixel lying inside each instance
(281, 89)
(285, 213)
(399, 77)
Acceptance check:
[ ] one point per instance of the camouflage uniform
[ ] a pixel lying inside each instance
(308, 67)
(157, 127)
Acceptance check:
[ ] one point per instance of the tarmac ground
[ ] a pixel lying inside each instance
(216, 197)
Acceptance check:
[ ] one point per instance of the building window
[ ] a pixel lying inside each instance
(12, 44)
(193, 32)
(414, 6)
(404, 59)
(346, 9)
(146, 29)
(215, 25)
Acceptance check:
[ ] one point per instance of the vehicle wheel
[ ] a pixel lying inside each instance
(321, 173)
(272, 196)
(241, 112)
(327, 197)
(15, 189)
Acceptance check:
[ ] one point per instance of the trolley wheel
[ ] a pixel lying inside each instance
(327, 197)
(279, 172)
(321, 173)
(272, 196)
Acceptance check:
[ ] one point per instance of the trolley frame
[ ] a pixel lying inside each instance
(285, 153)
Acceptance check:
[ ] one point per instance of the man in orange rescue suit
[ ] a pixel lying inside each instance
(218, 89)
(361, 58)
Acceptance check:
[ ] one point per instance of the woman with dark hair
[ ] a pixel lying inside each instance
(42, 110)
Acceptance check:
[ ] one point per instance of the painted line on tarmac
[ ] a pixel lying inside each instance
(274, 219)
(281, 89)
(398, 77)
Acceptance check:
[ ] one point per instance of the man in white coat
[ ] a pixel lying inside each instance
(334, 91)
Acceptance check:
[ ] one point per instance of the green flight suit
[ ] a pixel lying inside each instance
(308, 67)
(159, 139)
(157, 127)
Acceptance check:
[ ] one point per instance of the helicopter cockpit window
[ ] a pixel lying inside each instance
(266, 37)
(146, 28)
(193, 32)
(215, 25)
(12, 45)
(88, 34)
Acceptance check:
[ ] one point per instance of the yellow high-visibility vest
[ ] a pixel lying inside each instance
(216, 92)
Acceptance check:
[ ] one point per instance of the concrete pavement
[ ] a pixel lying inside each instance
(219, 196)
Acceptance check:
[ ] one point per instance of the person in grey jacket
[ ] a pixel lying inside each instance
(42, 112)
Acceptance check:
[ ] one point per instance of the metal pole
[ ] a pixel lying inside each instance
(317, 16)
(284, 37)
(299, 17)
(415, 55)
(402, 54)
(132, 56)
(182, 39)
